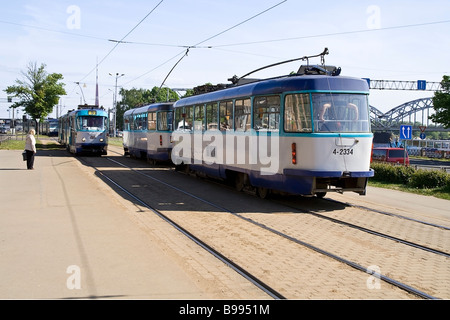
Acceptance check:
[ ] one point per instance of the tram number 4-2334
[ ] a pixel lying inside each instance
(343, 152)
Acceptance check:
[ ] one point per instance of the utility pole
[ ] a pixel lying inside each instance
(115, 103)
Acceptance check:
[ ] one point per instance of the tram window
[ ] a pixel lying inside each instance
(135, 122)
(165, 121)
(340, 112)
(90, 123)
(144, 121)
(140, 121)
(183, 118)
(212, 116)
(152, 121)
(179, 120)
(266, 113)
(226, 115)
(131, 122)
(243, 115)
(199, 118)
(188, 118)
(297, 113)
(126, 124)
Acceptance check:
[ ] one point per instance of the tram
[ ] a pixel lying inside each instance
(147, 132)
(85, 130)
(305, 134)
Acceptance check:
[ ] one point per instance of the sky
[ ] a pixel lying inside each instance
(383, 40)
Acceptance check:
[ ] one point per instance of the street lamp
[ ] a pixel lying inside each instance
(115, 101)
(82, 91)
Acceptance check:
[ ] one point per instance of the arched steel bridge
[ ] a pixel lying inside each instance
(412, 112)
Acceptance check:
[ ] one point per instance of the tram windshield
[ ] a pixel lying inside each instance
(340, 112)
(91, 123)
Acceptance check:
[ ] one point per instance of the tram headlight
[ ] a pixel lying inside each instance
(101, 140)
(84, 139)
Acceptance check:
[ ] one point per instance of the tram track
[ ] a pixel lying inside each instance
(370, 231)
(273, 230)
(389, 214)
(342, 222)
(244, 273)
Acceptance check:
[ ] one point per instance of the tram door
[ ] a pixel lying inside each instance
(71, 131)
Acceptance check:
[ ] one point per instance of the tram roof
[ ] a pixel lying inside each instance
(83, 112)
(151, 107)
(279, 85)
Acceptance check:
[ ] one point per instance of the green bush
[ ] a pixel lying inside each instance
(382, 171)
(429, 179)
(411, 177)
(395, 174)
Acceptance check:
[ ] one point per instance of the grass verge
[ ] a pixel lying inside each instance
(20, 145)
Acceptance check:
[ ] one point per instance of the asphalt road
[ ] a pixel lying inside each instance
(430, 164)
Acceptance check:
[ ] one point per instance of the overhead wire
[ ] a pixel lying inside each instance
(196, 46)
(220, 47)
(334, 34)
(52, 30)
(217, 47)
(291, 38)
(123, 38)
(240, 23)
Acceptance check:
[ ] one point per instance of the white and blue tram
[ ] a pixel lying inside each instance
(147, 132)
(299, 134)
(85, 130)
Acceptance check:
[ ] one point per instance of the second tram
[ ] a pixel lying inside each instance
(147, 132)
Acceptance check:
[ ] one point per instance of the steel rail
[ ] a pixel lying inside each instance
(373, 232)
(388, 214)
(257, 282)
(352, 264)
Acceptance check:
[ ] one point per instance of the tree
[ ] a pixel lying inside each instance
(441, 104)
(39, 92)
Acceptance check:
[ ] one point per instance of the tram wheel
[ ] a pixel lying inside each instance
(262, 192)
(239, 181)
(321, 195)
